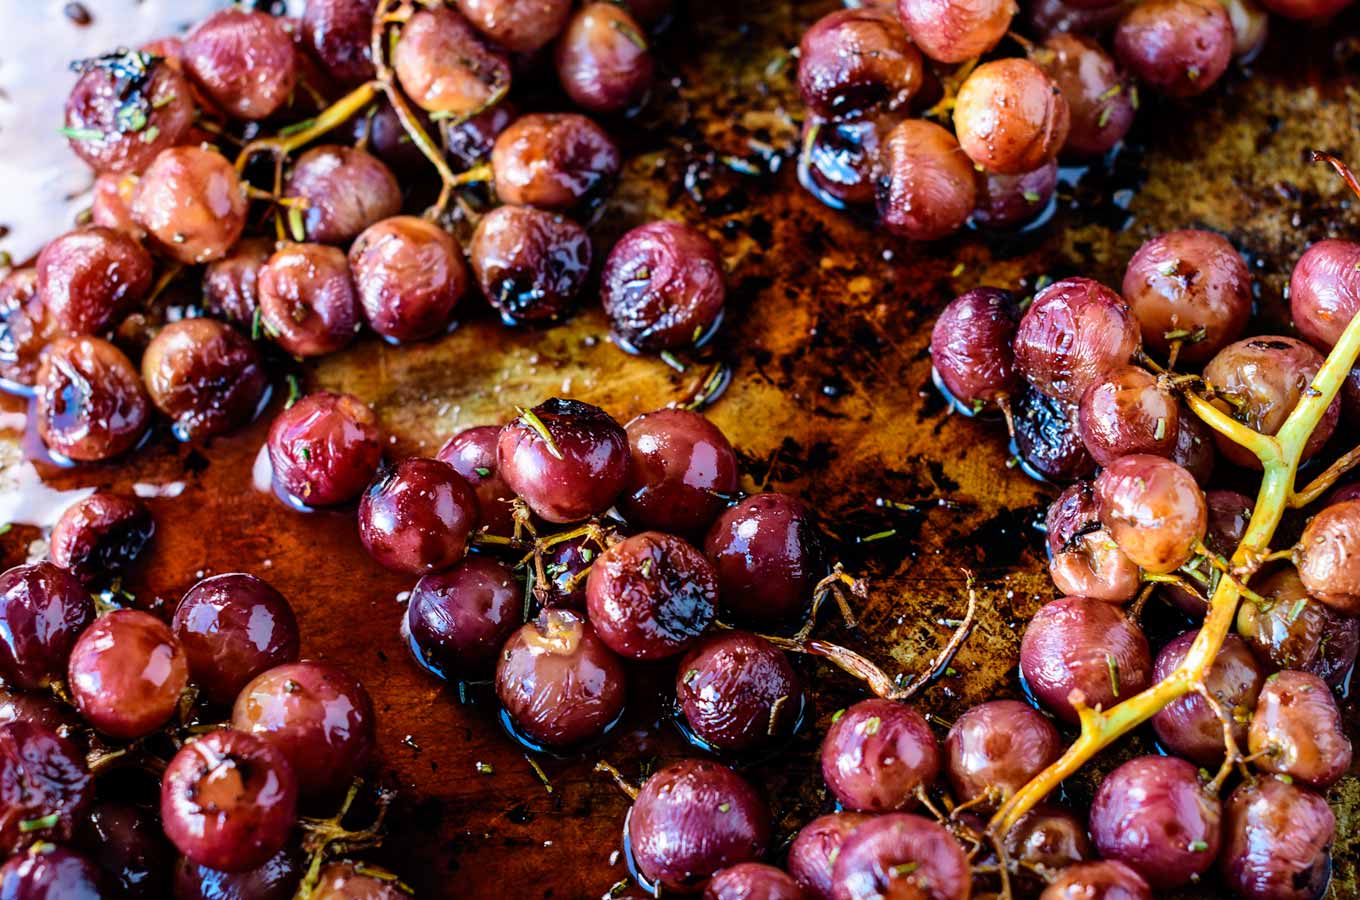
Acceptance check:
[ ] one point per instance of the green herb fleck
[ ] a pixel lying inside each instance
(82, 134)
(294, 392)
(30, 825)
(1198, 846)
(482, 471)
(485, 768)
(530, 418)
(4, 529)
(724, 807)
(691, 675)
(296, 226)
(296, 128)
(836, 716)
(647, 568)
(630, 33)
(162, 102)
(871, 725)
(586, 554)
(1297, 609)
(306, 454)
(1114, 673)
(902, 870)
(1031, 196)
(255, 325)
(878, 536)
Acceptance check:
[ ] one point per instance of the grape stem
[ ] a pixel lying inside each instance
(1319, 485)
(1279, 457)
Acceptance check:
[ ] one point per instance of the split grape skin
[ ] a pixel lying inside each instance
(838, 158)
(1075, 331)
(1047, 438)
(43, 779)
(91, 404)
(101, 535)
(231, 284)
(325, 448)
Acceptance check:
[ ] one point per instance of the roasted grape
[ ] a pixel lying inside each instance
(91, 403)
(1085, 647)
(49, 872)
(1010, 117)
(767, 552)
(566, 459)
(325, 448)
(662, 287)
(877, 755)
(1328, 557)
(814, 851)
(854, 63)
(603, 61)
(1075, 331)
(995, 748)
(191, 203)
(1276, 840)
(1153, 509)
(1324, 291)
(1099, 98)
(1189, 726)
(531, 264)
(681, 471)
(738, 692)
(558, 161)
(651, 595)
(99, 536)
(308, 303)
(418, 516)
(205, 376)
(446, 67)
(952, 31)
(1297, 731)
(92, 277)
(344, 190)
(516, 25)
(126, 674)
(125, 108)
(970, 348)
(43, 610)
(926, 188)
(244, 61)
(900, 855)
(458, 620)
(1010, 201)
(1128, 411)
(1179, 47)
(339, 33)
(472, 453)
(231, 284)
(1104, 880)
(45, 786)
(1084, 561)
(1047, 438)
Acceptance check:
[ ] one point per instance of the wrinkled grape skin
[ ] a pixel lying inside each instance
(738, 692)
(813, 851)
(768, 556)
(1153, 814)
(1276, 841)
(554, 161)
(25, 326)
(233, 627)
(1097, 93)
(1179, 47)
(1267, 375)
(91, 404)
(1187, 726)
(418, 516)
(308, 304)
(339, 34)
(1077, 643)
(1184, 282)
(1010, 201)
(837, 163)
(231, 284)
(1153, 509)
(244, 61)
(277, 879)
(559, 683)
(409, 275)
(318, 716)
(1324, 291)
(693, 818)
(1103, 880)
(192, 204)
(50, 873)
(229, 800)
(127, 843)
(126, 674)
(458, 620)
(531, 264)
(91, 277)
(1075, 331)
(446, 67)
(41, 773)
(603, 62)
(350, 881)
(1328, 557)
(651, 595)
(345, 189)
(874, 853)
(995, 748)
(680, 470)
(857, 62)
(205, 376)
(517, 25)
(1084, 560)
(926, 186)
(591, 470)
(970, 347)
(1287, 632)
(1047, 438)
(1048, 836)
(1297, 730)
(752, 881)
(116, 93)
(662, 287)
(325, 448)
(1010, 117)
(101, 535)
(43, 610)
(472, 453)
(1128, 411)
(952, 31)
(877, 754)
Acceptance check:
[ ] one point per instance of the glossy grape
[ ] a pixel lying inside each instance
(970, 347)
(1085, 645)
(952, 31)
(308, 303)
(25, 327)
(418, 516)
(877, 755)
(1328, 557)
(446, 67)
(92, 277)
(43, 610)
(1010, 201)
(1297, 730)
(995, 748)
(205, 376)
(192, 204)
(566, 459)
(1276, 840)
(838, 159)
(1179, 47)
(128, 844)
(472, 453)
(854, 63)
(531, 264)
(1099, 97)
(45, 786)
(49, 872)
(339, 34)
(738, 692)
(100, 536)
(345, 191)
(325, 448)
(557, 161)
(1188, 726)
(518, 26)
(244, 61)
(277, 879)
(1075, 331)
(1104, 880)
(1324, 291)
(231, 284)
(752, 881)
(125, 108)
(458, 620)
(651, 595)
(91, 403)
(1010, 117)
(900, 855)
(926, 188)
(352, 881)
(814, 851)
(1084, 561)
(681, 469)
(1153, 509)
(767, 552)
(126, 674)
(603, 61)
(1128, 411)
(662, 287)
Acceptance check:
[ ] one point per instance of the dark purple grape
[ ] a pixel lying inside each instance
(681, 472)
(125, 108)
(566, 564)
(1328, 557)
(813, 852)
(45, 786)
(995, 748)
(662, 287)
(877, 754)
(325, 448)
(457, 621)
(1287, 631)
(752, 881)
(926, 188)
(566, 459)
(1179, 47)
(418, 516)
(1084, 561)
(1188, 726)
(901, 856)
(43, 610)
(244, 61)
(91, 404)
(468, 143)
(1324, 291)
(49, 872)
(555, 161)
(192, 204)
(308, 302)
(1188, 287)
(92, 277)
(277, 879)
(409, 275)
(1155, 815)
(838, 158)
(1010, 201)
(1194, 451)
(1104, 880)
(231, 284)
(354, 881)
(953, 31)
(738, 692)
(693, 818)
(1127, 411)
(1087, 646)
(34, 709)
(603, 62)
(853, 63)
(128, 844)
(651, 596)
(1010, 117)
(379, 130)
(1098, 95)
(517, 26)
(1153, 509)
(25, 327)
(1337, 649)
(1276, 841)
(1228, 515)
(1048, 839)
(99, 536)
(339, 33)
(1297, 730)
(1075, 331)
(205, 376)
(472, 453)
(531, 264)
(345, 191)
(126, 674)
(229, 800)
(768, 556)
(559, 683)
(1047, 438)
(233, 627)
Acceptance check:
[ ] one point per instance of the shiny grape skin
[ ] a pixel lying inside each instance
(418, 516)
(1010, 117)
(952, 31)
(1050, 837)
(1098, 94)
(926, 188)
(128, 844)
(91, 403)
(813, 852)
(25, 328)
(229, 800)
(1128, 411)
(681, 470)
(768, 555)
(558, 682)
(472, 453)
(1195, 449)
(520, 27)
(137, 104)
(91, 278)
(693, 818)
(318, 716)
(970, 347)
(1328, 557)
(1077, 643)
(244, 61)
(877, 754)
(308, 302)
(353, 881)
(1297, 730)
(1178, 47)
(1103, 880)
(41, 774)
(1228, 515)
(339, 34)
(458, 620)
(49, 872)
(555, 161)
(995, 748)
(325, 448)
(231, 284)
(651, 595)
(1153, 509)
(409, 276)
(662, 287)
(1187, 726)
(838, 159)
(1324, 291)
(576, 473)
(1155, 815)
(604, 63)
(277, 879)
(192, 204)
(205, 376)
(530, 264)
(1010, 201)
(35, 709)
(854, 63)
(1276, 841)
(752, 881)
(1047, 438)
(565, 564)
(233, 627)
(933, 863)
(101, 535)
(1084, 560)
(126, 674)
(1074, 332)
(446, 67)
(43, 610)
(345, 190)
(738, 692)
